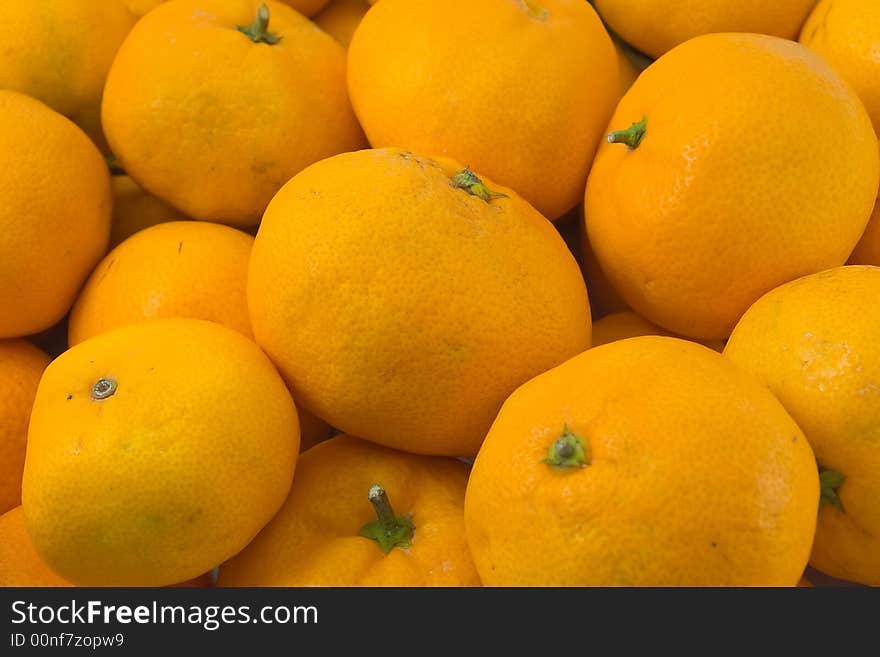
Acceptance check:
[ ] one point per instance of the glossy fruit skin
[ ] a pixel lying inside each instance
(177, 269)
(519, 91)
(134, 209)
(20, 565)
(59, 52)
(656, 26)
(758, 165)
(847, 34)
(55, 215)
(698, 476)
(21, 366)
(815, 343)
(340, 18)
(314, 540)
(213, 123)
(173, 472)
(403, 310)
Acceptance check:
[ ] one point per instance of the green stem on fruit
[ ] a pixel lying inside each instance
(388, 530)
(569, 451)
(829, 483)
(471, 183)
(632, 136)
(258, 32)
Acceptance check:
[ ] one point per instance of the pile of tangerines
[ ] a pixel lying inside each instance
(453, 293)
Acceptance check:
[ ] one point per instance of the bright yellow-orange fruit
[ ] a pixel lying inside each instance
(330, 531)
(55, 214)
(141, 7)
(623, 325)
(655, 26)
(340, 18)
(20, 565)
(847, 34)
(156, 452)
(59, 52)
(740, 162)
(134, 209)
(815, 343)
(179, 269)
(519, 90)
(604, 299)
(403, 298)
(627, 324)
(21, 366)
(867, 251)
(213, 119)
(651, 461)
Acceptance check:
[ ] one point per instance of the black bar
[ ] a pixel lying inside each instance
(422, 620)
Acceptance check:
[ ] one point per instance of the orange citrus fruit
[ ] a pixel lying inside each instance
(176, 438)
(403, 298)
(307, 7)
(212, 105)
(55, 215)
(627, 68)
(604, 299)
(815, 343)
(134, 209)
(141, 7)
(737, 162)
(59, 52)
(655, 26)
(518, 90)
(847, 34)
(651, 461)
(20, 565)
(627, 324)
(340, 18)
(623, 325)
(363, 515)
(179, 269)
(21, 366)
